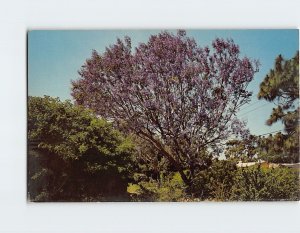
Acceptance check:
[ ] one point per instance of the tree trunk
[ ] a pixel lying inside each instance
(184, 178)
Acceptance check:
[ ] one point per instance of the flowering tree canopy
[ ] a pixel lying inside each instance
(169, 91)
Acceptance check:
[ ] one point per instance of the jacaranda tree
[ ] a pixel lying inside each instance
(170, 92)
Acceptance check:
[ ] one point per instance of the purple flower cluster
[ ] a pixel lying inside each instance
(169, 90)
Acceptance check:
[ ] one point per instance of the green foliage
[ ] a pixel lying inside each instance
(223, 181)
(169, 188)
(215, 182)
(244, 150)
(73, 155)
(262, 184)
(282, 82)
(148, 161)
(281, 86)
(279, 148)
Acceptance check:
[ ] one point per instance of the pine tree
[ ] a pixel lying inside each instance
(281, 86)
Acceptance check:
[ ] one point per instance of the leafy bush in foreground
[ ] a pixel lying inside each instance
(223, 181)
(73, 155)
(215, 183)
(264, 184)
(169, 188)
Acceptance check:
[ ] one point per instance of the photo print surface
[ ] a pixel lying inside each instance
(163, 115)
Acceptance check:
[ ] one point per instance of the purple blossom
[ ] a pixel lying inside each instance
(176, 87)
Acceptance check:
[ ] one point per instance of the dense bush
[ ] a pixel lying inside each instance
(73, 155)
(167, 188)
(223, 181)
(215, 183)
(264, 184)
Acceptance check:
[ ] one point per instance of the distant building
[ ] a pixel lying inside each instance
(268, 165)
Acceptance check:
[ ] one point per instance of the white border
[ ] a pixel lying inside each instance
(16, 215)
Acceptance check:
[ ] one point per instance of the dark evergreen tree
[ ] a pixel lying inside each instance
(281, 86)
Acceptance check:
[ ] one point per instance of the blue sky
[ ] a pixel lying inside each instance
(54, 57)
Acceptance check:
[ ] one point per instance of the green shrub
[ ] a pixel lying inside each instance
(168, 188)
(73, 155)
(215, 183)
(223, 181)
(265, 184)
